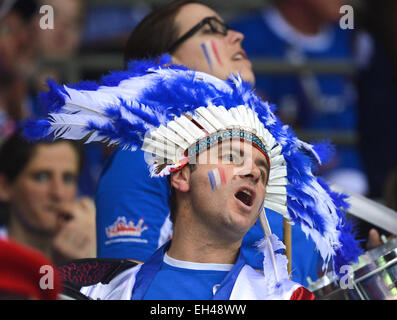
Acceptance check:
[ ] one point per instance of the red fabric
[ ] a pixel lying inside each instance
(302, 294)
(20, 268)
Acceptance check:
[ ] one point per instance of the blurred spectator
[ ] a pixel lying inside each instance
(64, 40)
(300, 31)
(38, 181)
(15, 43)
(54, 48)
(15, 32)
(26, 274)
(56, 55)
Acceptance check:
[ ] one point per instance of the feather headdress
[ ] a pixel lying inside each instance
(174, 113)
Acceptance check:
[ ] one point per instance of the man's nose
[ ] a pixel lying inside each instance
(57, 189)
(249, 170)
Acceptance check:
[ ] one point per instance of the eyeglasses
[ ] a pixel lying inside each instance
(216, 27)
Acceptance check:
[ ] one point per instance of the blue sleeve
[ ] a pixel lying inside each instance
(132, 208)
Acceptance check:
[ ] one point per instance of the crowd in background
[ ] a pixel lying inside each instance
(360, 104)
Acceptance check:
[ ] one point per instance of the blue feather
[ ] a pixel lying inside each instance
(36, 129)
(85, 85)
(325, 150)
(53, 100)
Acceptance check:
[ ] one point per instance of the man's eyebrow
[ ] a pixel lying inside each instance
(261, 163)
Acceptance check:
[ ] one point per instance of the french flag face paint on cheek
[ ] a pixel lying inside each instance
(217, 178)
(211, 54)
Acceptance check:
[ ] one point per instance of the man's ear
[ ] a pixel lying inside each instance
(180, 179)
(4, 189)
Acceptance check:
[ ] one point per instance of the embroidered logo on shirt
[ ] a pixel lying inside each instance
(122, 227)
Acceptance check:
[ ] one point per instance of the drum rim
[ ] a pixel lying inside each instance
(382, 250)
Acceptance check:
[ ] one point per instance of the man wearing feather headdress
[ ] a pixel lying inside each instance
(203, 260)
(182, 118)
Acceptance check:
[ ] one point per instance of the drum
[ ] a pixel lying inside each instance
(373, 278)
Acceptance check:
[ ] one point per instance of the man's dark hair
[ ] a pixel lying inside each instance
(155, 33)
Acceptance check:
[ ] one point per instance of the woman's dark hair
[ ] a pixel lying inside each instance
(16, 152)
(155, 33)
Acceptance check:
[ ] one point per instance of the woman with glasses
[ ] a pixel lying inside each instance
(195, 36)
(132, 208)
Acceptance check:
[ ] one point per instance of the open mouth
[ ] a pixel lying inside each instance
(246, 196)
(239, 56)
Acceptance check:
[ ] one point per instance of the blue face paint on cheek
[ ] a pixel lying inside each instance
(207, 56)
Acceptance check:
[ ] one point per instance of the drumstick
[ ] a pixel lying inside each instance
(287, 242)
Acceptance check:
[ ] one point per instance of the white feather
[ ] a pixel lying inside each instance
(269, 139)
(179, 130)
(282, 181)
(190, 127)
(69, 126)
(277, 161)
(236, 116)
(275, 151)
(251, 118)
(88, 102)
(204, 113)
(277, 198)
(277, 172)
(276, 207)
(223, 116)
(204, 123)
(169, 134)
(160, 149)
(242, 110)
(276, 190)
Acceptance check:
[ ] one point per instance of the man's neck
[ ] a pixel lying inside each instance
(189, 245)
(301, 19)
